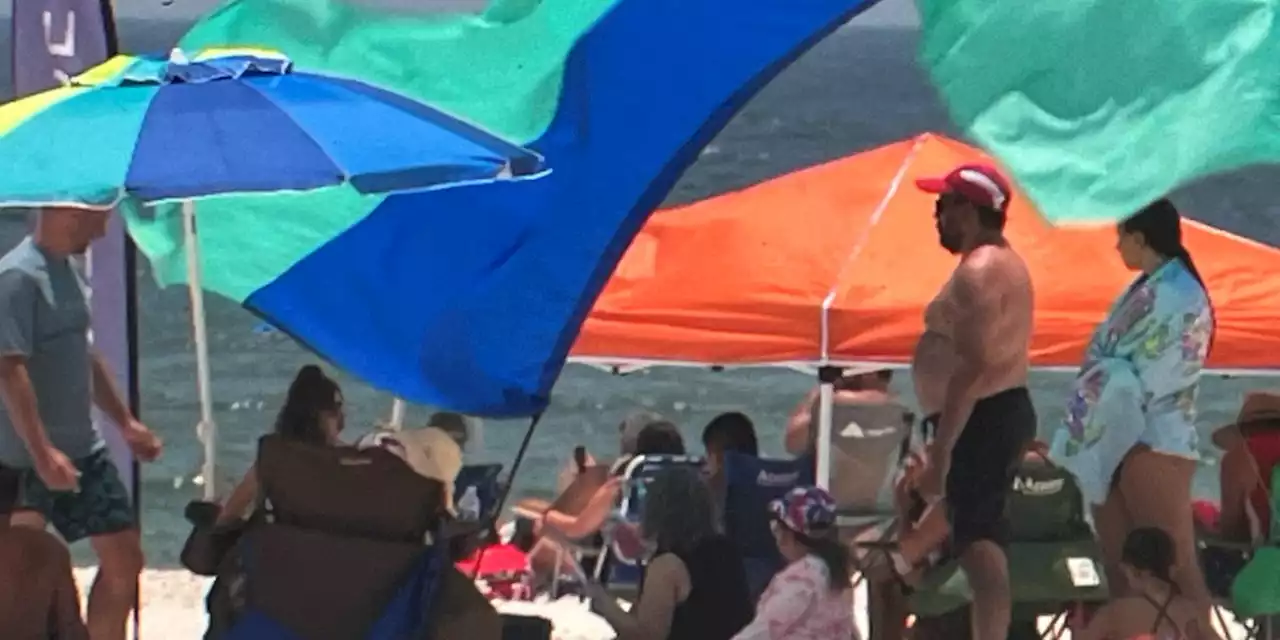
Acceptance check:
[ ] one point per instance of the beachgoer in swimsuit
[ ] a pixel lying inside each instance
(970, 372)
(1129, 434)
(1155, 607)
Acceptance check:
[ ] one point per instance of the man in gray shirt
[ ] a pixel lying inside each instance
(49, 381)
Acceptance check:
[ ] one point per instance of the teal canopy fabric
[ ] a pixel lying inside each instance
(1098, 107)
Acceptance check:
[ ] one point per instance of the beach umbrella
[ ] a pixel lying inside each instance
(232, 121)
(227, 121)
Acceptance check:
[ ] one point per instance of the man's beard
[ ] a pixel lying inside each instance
(950, 240)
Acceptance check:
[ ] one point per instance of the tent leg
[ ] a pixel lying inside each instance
(207, 429)
(827, 376)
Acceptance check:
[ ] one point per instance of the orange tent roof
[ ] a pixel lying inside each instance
(748, 277)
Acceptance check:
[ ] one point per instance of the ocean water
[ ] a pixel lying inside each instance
(859, 89)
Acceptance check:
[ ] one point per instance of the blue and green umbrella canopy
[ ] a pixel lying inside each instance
(232, 121)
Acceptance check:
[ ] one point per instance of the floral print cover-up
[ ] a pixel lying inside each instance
(1139, 380)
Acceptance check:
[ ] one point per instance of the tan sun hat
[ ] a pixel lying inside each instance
(430, 452)
(1260, 411)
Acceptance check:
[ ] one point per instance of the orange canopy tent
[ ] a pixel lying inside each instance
(835, 264)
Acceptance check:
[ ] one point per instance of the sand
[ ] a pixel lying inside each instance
(173, 609)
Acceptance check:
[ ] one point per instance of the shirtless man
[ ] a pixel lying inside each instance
(970, 373)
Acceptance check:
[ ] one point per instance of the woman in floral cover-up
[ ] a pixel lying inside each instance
(1129, 435)
(811, 598)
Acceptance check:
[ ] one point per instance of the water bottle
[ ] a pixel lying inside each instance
(469, 505)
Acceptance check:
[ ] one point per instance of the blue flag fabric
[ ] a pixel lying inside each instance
(470, 298)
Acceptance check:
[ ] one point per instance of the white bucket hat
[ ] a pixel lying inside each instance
(430, 452)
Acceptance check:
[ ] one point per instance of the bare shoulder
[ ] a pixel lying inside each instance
(992, 268)
(668, 564)
(668, 569)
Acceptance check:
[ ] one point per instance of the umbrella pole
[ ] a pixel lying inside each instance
(206, 429)
(397, 415)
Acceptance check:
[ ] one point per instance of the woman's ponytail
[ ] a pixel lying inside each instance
(1160, 224)
(1181, 254)
(311, 393)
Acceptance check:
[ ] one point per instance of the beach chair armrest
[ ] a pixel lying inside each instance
(1223, 543)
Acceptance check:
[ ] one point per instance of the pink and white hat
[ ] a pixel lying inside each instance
(980, 184)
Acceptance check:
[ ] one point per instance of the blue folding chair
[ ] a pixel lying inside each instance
(751, 483)
(614, 568)
(487, 479)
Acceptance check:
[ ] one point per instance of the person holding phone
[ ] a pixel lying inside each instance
(695, 587)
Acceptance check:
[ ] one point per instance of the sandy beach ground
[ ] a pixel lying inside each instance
(173, 609)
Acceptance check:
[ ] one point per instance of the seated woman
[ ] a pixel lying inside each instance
(694, 588)
(727, 432)
(38, 595)
(1155, 606)
(312, 412)
(628, 430)
(1243, 519)
(656, 438)
(811, 598)
(1251, 448)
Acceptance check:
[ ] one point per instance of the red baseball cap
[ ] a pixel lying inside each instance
(980, 184)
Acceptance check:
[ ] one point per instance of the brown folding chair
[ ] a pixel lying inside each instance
(343, 529)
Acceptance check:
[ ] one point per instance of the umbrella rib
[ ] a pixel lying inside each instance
(343, 176)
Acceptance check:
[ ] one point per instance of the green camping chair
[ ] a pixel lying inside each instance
(1055, 563)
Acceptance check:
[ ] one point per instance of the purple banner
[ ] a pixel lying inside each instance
(54, 40)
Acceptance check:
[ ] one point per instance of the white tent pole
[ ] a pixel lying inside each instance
(397, 415)
(206, 429)
(826, 398)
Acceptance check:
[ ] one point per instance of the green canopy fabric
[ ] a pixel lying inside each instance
(1097, 107)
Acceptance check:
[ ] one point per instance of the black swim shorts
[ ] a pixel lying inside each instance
(101, 507)
(984, 463)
